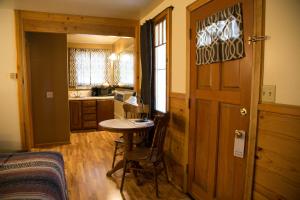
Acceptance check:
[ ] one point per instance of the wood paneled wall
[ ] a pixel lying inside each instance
(174, 144)
(64, 23)
(277, 167)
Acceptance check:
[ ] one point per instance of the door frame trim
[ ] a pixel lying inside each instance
(30, 21)
(258, 50)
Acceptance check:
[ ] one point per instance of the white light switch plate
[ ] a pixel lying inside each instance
(13, 75)
(49, 95)
(269, 93)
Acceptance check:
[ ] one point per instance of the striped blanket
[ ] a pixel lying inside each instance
(32, 175)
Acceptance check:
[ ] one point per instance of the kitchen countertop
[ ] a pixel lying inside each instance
(92, 98)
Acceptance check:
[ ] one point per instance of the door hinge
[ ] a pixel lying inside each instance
(190, 33)
(255, 38)
(189, 103)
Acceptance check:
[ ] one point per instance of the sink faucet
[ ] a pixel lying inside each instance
(77, 93)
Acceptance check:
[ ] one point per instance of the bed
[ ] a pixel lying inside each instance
(32, 175)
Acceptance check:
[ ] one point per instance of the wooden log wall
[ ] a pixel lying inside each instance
(174, 144)
(277, 166)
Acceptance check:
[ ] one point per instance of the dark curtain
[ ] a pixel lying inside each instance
(147, 87)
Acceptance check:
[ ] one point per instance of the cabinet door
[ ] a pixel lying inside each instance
(75, 115)
(105, 110)
(47, 63)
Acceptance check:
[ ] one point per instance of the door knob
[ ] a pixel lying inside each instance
(239, 133)
(243, 111)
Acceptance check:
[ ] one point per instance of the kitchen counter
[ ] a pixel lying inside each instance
(92, 98)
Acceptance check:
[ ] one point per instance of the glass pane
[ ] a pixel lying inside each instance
(160, 66)
(160, 93)
(160, 58)
(160, 33)
(160, 78)
(97, 68)
(164, 31)
(156, 35)
(126, 69)
(83, 70)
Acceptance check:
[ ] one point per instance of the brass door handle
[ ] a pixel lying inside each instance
(243, 111)
(239, 133)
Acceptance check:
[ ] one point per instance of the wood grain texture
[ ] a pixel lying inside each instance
(277, 167)
(89, 46)
(88, 158)
(75, 115)
(63, 23)
(217, 93)
(105, 110)
(258, 51)
(280, 108)
(48, 73)
(174, 143)
(21, 98)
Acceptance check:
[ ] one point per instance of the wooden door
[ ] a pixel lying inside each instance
(49, 87)
(75, 115)
(218, 91)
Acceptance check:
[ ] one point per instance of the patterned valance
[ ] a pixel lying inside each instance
(89, 67)
(220, 36)
(93, 67)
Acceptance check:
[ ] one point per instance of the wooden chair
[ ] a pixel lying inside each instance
(149, 159)
(130, 112)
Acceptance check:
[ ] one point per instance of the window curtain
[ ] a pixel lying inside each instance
(220, 36)
(89, 67)
(147, 60)
(124, 71)
(146, 42)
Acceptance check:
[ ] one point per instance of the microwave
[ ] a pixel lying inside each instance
(102, 91)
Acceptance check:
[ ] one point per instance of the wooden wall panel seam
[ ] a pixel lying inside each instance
(280, 108)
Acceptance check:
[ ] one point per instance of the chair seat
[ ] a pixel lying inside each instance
(136, 140)
(140, 154)
(120, 140)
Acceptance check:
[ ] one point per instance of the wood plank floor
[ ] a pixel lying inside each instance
(89, 157)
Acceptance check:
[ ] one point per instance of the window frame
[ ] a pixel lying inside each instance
(165, 14)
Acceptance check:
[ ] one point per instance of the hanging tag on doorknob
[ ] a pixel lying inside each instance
(239, 143)
(243, 111)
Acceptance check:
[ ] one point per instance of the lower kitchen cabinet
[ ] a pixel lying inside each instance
(75, 115)
(89, 111)
(86, 114)
(105, 110)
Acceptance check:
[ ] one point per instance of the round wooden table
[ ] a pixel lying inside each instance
(127, 127)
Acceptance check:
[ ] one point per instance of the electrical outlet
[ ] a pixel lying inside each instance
(269, 93)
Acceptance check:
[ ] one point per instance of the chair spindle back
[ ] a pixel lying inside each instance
(161, 126)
